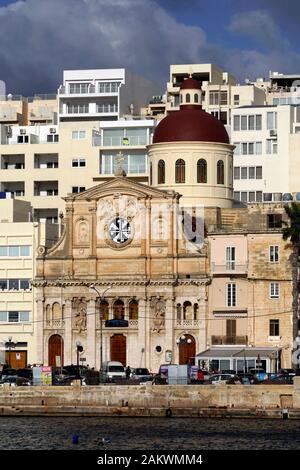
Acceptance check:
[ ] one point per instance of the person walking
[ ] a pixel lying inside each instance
(128, 372)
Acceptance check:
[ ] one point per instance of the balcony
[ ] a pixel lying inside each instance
(229, 340)
(46, 188)
(123, 141)
(229, 268)
(13, 162)
(188, 323)
(13, 189)
(54, 324)
(45, 160)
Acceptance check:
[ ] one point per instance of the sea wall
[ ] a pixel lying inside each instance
(148, 399)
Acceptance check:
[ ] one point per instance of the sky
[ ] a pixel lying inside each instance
(41, 38)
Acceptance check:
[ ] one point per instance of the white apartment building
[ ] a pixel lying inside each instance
(44, 163)
(103, 94)
(220, 92)
(19, 239)
(267, 153)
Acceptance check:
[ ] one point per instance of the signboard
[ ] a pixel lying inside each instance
(168, 356)
(46, 375)
(57, 361)
(37, 376)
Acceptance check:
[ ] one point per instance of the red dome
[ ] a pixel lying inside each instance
(190, 84)
(191, 123)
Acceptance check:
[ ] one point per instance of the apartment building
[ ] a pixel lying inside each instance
(43, 163)
(266, 156)
(19, 239)
(220, 92)
(103, 94)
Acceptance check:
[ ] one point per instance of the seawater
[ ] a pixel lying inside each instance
(56, 433)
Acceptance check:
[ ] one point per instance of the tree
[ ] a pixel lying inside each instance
(291, 232)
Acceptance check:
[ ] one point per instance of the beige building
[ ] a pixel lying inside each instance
(19, 240)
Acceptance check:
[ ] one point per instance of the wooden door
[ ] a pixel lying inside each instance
(230, 331)
(16, 359)
(56, 349)
(187, 350)
(118, 349)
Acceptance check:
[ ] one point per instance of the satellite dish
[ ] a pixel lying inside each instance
(287, 197)
(9, 96)
(297, 197)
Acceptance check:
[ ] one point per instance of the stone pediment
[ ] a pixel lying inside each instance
(121, 185)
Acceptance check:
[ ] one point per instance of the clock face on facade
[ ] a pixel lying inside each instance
(119, 230)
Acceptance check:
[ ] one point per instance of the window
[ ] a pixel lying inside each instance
(274, 220)
(78, 162)
(201, 171)
(78, 108)
(274, 327)
(230, 257)
(236, 100)
(213, 97)
(14, 317)
(237, 149)
(180, 171)
(223, 117)
(231, 331)
(231, 295)
(78, 88)
(108, 87)
(259, 172)
(251, 123)
(188, 98)
(274, 253)
(247, 122)
(223, 100)
(244, 126)
(271, 146)
(14, 251)
(52, 138)
(251, 172)
(22, 139)
(258, 121)
(196, 100)
(248, 148)
(272, 121)
(161, 172)
(78, 189)
(220, 172)
(258, 147)
(236, 173)
(78, 135)
(244, 171)
(107, 108)
(236, 123)
(274, 290)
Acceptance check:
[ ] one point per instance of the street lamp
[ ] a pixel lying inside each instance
(9, 345)
(101, 329)
(79, 349)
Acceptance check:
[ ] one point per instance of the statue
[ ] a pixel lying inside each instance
(80, 319)
(159, 316)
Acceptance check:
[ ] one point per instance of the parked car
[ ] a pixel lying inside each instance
(27, 373)
(15, 381)
(217, 379)
(259, 373)
(279, 380)
(291, 372)
(111, 371)
(7, 372)
(67, 380)
(247, 377)
(141, 374)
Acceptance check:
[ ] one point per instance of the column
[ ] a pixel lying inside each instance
(204, 317)
(90, 346)
(68, 332)
(142, 333)
(169, 326)
(39, 331)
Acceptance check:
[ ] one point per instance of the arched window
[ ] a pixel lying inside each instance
(161, 172)
(187, 311)
(196, 98)
(133, 310)
(196, 312)
(181, 99)
(178, 308)
(187, 98)
(104, 310)
(220, 172)
(180, 171)
(48, 313)
(119, 310)
(201, 171)
(56, 311)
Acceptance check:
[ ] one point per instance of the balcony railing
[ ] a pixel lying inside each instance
(188, 323)
(120, 141)
(228, 340)
(55, 324)
(229, 267)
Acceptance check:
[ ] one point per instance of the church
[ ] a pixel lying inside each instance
(133, 277)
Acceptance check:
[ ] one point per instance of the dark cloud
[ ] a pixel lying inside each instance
(39, 39)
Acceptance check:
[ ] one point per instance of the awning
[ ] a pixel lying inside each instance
(233, 352)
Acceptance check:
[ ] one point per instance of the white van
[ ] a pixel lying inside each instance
(112, 370)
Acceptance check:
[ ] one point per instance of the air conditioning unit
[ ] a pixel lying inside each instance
(273, 133)
(52, 130)
(23, 131)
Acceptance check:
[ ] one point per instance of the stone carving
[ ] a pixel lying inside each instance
(158, 322)
(83, 232)
(79, 306)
